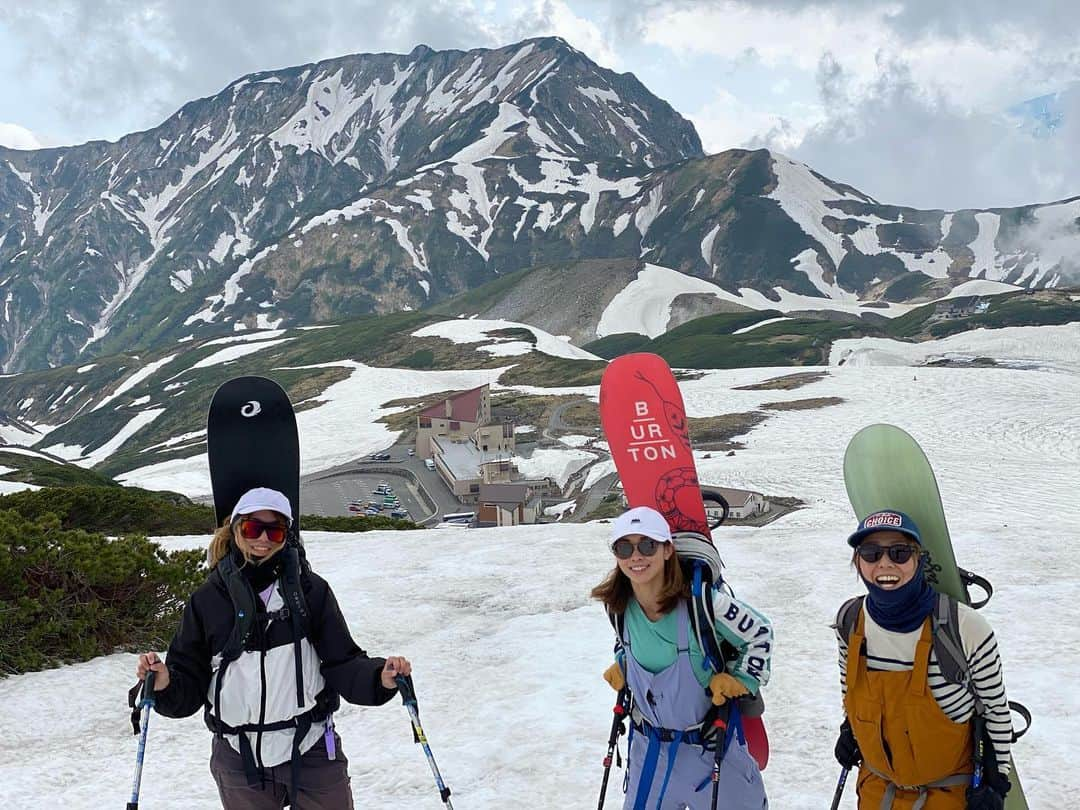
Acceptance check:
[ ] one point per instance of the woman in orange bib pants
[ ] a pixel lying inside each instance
(910, 731)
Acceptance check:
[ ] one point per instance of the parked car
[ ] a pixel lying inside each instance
(400, 513)
(429, 463)
(411, 452)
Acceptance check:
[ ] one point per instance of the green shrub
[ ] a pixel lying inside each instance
(70, 595)
(421, 358)
(114, 510)
(46, 473)
(360, 523)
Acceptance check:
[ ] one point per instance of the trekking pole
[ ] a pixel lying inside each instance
(721, 726)
(408, 697)
(617, 728)
(146, 705)
(840, 788)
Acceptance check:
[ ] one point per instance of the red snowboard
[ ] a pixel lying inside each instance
(644, 421)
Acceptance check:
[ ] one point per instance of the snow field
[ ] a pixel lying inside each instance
(508, 648)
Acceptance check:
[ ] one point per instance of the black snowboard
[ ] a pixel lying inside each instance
(252, 442)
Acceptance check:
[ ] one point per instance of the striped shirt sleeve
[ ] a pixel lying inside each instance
(988, 681)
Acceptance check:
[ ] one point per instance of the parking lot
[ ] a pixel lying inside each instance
(332, 496)
(330, 491)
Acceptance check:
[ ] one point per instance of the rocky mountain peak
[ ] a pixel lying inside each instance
(376, 183)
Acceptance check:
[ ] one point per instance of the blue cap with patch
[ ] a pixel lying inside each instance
(885, 520)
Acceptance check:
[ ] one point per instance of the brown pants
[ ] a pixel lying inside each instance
(324, 783)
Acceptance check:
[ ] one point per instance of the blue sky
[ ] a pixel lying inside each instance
(906, 100)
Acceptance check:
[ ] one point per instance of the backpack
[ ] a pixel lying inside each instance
(294, 570)
(294, 573)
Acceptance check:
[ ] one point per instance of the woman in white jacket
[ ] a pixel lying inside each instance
(264, 649)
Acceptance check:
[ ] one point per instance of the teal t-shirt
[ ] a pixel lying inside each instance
(655, 645)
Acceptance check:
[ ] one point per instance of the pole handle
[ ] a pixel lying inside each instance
(405, 687)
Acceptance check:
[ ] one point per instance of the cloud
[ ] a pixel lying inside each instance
(903, 145)
(14, 136)
(908, 20)
(146, 58)
(728, 121)
(910, 95)
(978, 65)
(557, 18)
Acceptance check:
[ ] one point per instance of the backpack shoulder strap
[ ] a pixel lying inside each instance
(244, 607)
(848, 615)
(703, 618)
(949, 647)
(617, 622)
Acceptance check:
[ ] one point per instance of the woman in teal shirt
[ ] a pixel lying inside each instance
(671, 755)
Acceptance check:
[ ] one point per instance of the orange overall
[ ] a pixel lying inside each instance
(914, 756)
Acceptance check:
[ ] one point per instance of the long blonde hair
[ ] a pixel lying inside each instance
(219, 543)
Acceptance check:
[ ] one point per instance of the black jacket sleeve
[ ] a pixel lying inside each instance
(188, 660)
(348, 670)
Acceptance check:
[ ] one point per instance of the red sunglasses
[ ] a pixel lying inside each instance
(252, 529)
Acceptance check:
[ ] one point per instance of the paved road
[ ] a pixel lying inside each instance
(597, 492)
(556, 423)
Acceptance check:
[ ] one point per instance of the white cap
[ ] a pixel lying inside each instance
(260, 498)
(642, 520)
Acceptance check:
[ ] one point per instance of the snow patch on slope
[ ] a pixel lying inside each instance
(1027, 346)
(475, 330)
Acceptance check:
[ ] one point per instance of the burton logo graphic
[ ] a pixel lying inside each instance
(647, 439)
(252, 408)
(676, 416)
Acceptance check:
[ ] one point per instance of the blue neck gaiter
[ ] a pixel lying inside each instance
(904, 609)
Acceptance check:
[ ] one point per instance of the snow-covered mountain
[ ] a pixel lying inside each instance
(381, 183)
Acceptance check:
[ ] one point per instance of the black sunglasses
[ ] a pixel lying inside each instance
(871, 552)
(624, 549)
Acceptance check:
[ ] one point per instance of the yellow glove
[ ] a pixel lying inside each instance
(724, 686)
(613, 675)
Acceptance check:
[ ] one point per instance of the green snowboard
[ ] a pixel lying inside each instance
(884, 468)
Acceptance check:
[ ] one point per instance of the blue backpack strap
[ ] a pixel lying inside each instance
(648, 767)
(672, 751)
(702, 620)
(735, 725)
